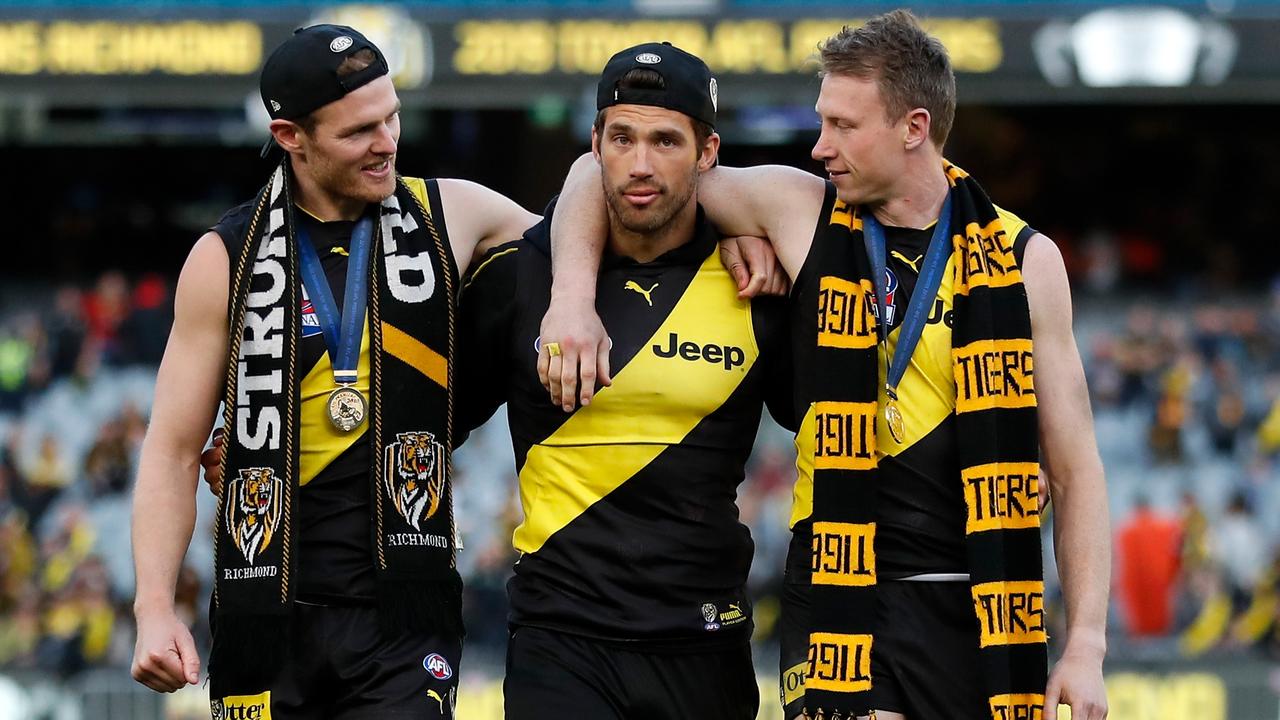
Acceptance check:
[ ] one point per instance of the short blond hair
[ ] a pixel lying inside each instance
(910, 66)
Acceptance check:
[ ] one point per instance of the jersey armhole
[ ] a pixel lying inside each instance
(1020, 243)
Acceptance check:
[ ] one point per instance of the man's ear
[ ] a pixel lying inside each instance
(595, 143)
(288, 135)
(916, 128)
(709, 152)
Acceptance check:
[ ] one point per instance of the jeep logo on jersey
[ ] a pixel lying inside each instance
(437, 666)
(727, 355)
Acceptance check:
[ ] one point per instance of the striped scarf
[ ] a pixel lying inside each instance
(998, 453)
(410, 314)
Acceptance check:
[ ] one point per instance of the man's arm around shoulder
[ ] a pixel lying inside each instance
(1071, 463)
(479, 219)
(186, 398)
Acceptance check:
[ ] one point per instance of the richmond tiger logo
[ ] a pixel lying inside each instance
(253, 510)
(414, 475)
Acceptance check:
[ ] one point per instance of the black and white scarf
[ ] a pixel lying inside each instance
(411, 317)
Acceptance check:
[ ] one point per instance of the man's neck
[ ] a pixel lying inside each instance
(324, 206)
(645, 247)
(917, 199)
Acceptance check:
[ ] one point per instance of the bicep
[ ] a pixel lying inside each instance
(479, 218)
(1065, 419)
(774, 201)
(195, 358)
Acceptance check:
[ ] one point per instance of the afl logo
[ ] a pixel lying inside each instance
(341, 43)
(648, 58)
(437, 666)
(891, 289)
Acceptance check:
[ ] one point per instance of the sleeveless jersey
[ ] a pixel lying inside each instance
(921, 502)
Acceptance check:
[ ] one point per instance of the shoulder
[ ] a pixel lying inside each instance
(231, 226)
(498, 266)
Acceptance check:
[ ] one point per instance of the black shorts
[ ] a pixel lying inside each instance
(340, 667)
(558, 675)
(925, 660)
(924, 663)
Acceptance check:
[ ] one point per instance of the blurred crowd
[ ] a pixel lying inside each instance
(80, 329)
(1194, 393)
(66, 470)
(1186, 396)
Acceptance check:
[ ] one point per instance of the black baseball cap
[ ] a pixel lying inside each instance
(301, 75)
(688, 85)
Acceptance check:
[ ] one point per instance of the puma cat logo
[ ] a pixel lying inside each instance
(911, 263)
(633, 285)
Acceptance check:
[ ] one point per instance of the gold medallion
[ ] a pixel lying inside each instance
(893, 416)
(346, 408)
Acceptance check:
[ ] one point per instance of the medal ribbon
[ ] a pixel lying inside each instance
(921, 298)
(342, 335)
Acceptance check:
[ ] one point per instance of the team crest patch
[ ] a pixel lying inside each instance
(253, 510)
(413, 475)
(242, 707)
(708, 612)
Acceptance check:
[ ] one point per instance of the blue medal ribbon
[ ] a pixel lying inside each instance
(342, 335)
(921, 298)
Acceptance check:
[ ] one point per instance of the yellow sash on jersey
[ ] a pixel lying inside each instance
(632, 421)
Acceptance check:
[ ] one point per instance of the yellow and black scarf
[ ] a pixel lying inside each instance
(998, 453)
(411, 326)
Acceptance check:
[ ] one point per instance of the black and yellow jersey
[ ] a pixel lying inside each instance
(335, 555)
(921, 505)
(631, 527)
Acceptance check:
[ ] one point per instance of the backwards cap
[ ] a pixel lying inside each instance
(301, 75)
(688, 86)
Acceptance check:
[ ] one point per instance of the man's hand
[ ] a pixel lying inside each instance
(754, 266)
(574, 329)
(164, 658)
(1076, 682)
(211, 461)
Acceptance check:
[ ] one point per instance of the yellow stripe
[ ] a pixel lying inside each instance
(844, 436)
(844, 554)
(654, 402)
(1001, 496)
(986, 256)
(488, 260)
(412, 352)
(839, 663)
(845, 319)
(791, 684)
(1021, 706)
(320, 442)
(1010, 612)
(994, 374)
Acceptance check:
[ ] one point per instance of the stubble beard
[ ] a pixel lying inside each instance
(655, 217)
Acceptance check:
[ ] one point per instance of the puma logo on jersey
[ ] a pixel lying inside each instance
(336, 250)
(911, 263)
(729, 355)
(439, 700)
(633, 285)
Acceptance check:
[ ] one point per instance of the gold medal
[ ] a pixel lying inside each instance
(893, 416)
(346, 408)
